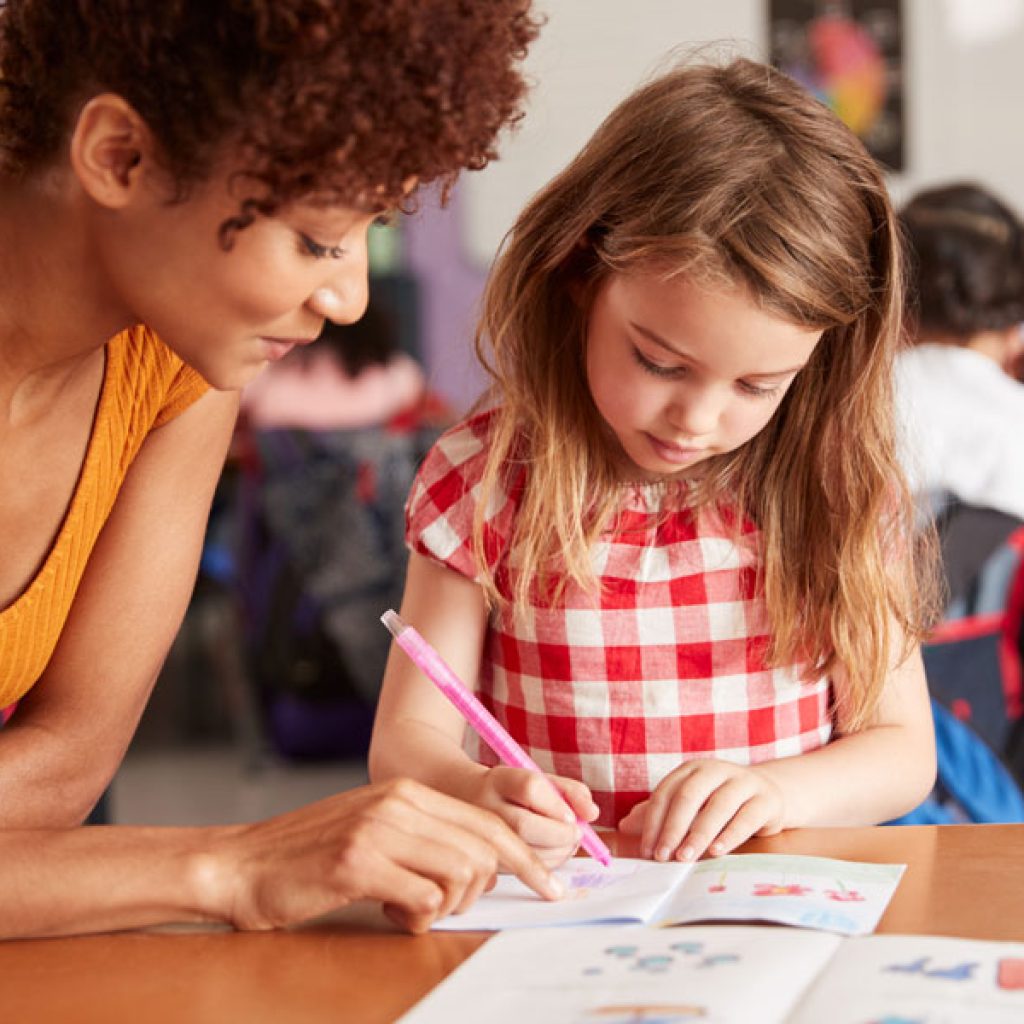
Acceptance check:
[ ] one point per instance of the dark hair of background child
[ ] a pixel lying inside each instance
(967, 262)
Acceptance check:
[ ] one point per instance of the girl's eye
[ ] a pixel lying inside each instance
(755, 392)
(321, 252)
(656, 369)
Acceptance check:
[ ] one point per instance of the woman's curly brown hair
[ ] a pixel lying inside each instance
(350, 98)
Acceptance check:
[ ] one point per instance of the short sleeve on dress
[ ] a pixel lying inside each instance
(185, 387)
(445, 496)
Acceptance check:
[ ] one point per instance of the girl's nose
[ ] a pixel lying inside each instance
(696, 411)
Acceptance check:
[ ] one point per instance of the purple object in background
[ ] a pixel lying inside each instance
(450, 287)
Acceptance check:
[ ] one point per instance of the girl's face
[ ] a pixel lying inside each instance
(229, 313)
(681, 373)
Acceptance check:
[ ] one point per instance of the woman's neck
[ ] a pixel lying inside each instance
(57, 307)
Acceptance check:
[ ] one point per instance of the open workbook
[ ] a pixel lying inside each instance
(810, 892)
(729, 974)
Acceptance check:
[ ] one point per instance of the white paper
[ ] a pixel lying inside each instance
(624, 975)
(628, 891)
(931, 979)
(811, 892)
(729, 974)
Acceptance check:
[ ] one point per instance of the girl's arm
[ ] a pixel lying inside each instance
(418, 732)
(861, 778)
(71, 730)
(870, 776)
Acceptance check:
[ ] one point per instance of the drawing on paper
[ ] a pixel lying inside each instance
(963, 971)
(646, 1013)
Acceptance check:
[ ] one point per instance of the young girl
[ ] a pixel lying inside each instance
(185, 191)
(672, 553)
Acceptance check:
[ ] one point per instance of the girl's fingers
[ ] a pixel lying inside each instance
(540, 831)
(672, 811)
(578, 796)
(633, 823)
(718, 811)
(745, 822)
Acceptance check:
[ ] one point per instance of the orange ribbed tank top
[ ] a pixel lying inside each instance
(144, 386)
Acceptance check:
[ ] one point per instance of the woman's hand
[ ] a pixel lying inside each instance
(421, 853)
(703, 806)
(533, 809)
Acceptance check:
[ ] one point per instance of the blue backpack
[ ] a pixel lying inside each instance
(973, 784)
(973, 664)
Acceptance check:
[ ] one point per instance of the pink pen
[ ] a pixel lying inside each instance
(490, 729)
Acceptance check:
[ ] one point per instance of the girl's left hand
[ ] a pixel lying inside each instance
(703, 806)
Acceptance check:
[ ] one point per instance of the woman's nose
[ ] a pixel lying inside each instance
(344, 296)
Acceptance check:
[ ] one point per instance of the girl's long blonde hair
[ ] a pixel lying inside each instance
(725, 174)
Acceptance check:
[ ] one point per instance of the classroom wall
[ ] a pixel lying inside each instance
(963, 83)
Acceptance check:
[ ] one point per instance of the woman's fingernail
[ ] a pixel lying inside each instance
(663, 853)
(716, 849)
(686, 853)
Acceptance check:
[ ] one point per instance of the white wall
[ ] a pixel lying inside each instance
(964, 89)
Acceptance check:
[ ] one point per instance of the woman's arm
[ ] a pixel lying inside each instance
(421, 853)
(71, 730)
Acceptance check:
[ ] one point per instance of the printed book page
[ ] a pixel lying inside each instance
(811, 892)
(729, 974)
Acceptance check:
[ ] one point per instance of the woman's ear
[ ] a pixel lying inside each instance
(110, 145)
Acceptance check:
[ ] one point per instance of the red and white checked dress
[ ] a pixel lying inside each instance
(664, 665)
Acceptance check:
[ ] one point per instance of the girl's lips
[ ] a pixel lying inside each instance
(676, 454)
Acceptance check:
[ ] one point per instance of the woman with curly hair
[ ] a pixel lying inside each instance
(185, 192)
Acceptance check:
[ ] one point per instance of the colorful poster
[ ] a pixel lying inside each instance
(849, 54)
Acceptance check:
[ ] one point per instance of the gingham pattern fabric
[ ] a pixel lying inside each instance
(664, 665)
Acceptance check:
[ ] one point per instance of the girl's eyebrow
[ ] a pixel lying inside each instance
(658, 340)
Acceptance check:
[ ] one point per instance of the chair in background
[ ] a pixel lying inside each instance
(973, 663)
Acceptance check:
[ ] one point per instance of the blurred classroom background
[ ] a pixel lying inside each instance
(266, 698)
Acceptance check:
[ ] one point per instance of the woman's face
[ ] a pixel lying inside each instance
(227, 313)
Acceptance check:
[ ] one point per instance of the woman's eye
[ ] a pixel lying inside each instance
(656, 369)
(319, 251)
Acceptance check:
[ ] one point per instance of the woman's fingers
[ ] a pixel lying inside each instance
(423, 853)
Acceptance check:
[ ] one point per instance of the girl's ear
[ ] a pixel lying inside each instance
(110, 145)
(576, 268)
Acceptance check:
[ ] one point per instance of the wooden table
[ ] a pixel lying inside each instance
(961, 880)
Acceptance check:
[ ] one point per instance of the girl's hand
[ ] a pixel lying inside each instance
(533, 810)
(703, 806)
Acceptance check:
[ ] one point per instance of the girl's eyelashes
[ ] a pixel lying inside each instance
(675, 372)
(655, 368)
(759, 392)
(321, 252)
